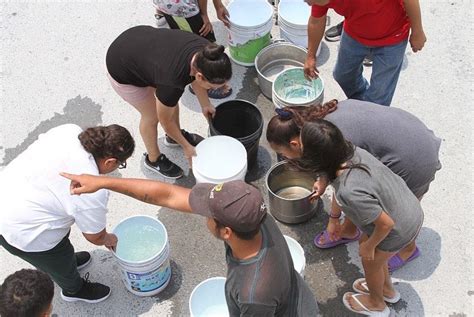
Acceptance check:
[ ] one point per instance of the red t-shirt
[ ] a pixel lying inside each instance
(370, 22)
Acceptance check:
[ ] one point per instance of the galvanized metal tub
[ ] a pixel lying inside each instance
(275, 58)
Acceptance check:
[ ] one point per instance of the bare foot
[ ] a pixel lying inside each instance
(364, 300)
(322, 239)
(362, 287)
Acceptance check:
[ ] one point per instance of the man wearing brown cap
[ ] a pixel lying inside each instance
(261, 279)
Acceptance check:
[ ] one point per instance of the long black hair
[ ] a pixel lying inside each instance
(325, 150)
(213, 63)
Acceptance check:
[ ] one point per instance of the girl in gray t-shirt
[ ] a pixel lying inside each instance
(374, 198)
(395, 137)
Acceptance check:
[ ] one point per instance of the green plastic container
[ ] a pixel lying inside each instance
(244, 54)
(249, 30)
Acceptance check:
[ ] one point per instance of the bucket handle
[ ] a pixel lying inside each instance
(274, 41)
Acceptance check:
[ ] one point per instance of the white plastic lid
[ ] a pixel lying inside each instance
(219, 158)
(294, 12)
(249, 13)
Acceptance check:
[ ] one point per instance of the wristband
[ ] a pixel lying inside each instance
(334, 217)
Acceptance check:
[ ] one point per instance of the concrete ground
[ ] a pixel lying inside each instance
(52, 72)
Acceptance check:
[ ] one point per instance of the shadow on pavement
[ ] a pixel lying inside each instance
(104, 269)
(81, 111)
(429, 243)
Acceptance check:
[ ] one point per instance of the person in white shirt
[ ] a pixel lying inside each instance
(38, 209)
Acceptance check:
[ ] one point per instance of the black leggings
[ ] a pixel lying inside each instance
(195, 23)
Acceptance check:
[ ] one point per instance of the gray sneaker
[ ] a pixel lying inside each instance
(333, 34)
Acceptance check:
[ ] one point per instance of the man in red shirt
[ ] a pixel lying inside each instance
(380, 28)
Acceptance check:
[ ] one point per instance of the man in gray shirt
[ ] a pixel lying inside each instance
(261, 279)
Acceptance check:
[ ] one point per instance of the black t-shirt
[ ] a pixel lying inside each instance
(267, 284)
(146, 56)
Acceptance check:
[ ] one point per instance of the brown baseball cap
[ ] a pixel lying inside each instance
(234, 204)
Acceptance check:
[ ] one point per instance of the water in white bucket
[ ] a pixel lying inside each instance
(208, 299)
(138, 242)
(143, 255)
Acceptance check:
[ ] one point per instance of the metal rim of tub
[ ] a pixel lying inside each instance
(272, 168)
(260, 75)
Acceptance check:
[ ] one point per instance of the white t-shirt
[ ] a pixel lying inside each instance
(37, 209)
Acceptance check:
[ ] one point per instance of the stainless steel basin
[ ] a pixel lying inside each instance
(289, 193)
(275, 58)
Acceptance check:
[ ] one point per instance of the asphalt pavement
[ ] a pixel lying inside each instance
(52, 72)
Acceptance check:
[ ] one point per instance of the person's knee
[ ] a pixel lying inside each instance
(149, 121)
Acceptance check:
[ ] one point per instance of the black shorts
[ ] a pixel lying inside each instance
(194, 23)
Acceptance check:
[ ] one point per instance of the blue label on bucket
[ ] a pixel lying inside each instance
(150, 281)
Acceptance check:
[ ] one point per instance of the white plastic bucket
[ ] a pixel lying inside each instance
(293, 18)
(291, 88)
(145, 271)
(219, 159)
(297, 254)
(208, 299)
(249, 31)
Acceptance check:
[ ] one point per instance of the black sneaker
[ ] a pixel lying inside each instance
(333, 34)
(164, 167)
(83, 258)
(368, 61)
(89, 293)
(193, 139)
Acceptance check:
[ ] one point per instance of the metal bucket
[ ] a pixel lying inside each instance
(275, 58)
(289, 193)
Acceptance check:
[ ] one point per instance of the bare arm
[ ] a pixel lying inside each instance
(334, 226)
(383, 225)
(169, 122)
(417, 36)
(222, 13)
(208, 109)
(207, 26)
(316, 28)
(148, 191)
(109, 240)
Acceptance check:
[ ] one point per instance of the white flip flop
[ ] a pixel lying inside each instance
(365, 311)
(363, 283)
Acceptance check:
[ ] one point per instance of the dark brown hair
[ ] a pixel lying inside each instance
(213, 63)
(288, 122)
(325, 150)
(108, 141)
(242, 235)
(26, 293)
